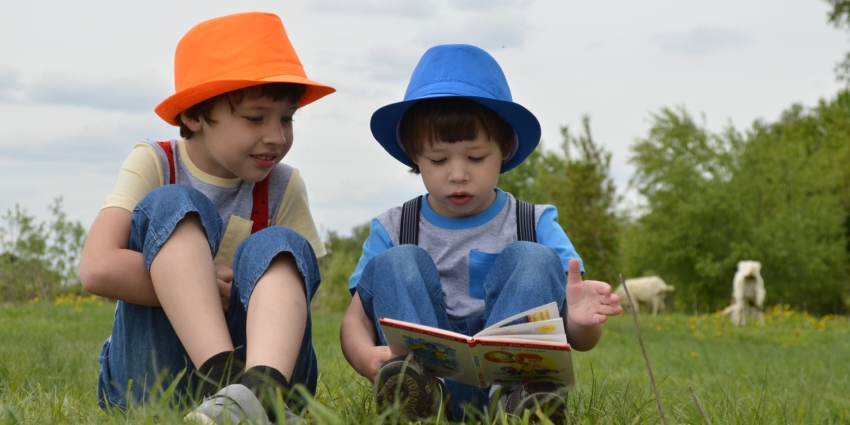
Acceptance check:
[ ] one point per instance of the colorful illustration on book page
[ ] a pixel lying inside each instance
(546, 329)
(523, 366)
(433, 353)
(538, 316)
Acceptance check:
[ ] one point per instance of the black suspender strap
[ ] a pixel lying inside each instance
(409, 232)
(525, 230)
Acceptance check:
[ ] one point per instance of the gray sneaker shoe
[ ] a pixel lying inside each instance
(231, 405)
(546, 397)
(404, 380)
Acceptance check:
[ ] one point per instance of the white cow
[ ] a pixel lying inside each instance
(648, 290)
(747, 293)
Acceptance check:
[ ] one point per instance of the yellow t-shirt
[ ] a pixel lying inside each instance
(142, 172)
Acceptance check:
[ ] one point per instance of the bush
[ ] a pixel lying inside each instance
(38, 259)
(336, 268)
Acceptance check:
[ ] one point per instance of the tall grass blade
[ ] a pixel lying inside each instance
(643, 350)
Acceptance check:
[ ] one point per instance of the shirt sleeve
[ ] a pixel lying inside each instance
(140, 173)
(294, 213)
(550, 233)
(377, 242)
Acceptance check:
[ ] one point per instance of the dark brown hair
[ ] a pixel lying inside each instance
(450, 120)
(274, 91)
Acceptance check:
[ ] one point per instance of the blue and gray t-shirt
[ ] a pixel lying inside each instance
(464, 249)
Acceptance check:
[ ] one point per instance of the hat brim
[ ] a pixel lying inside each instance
(384, 125)
(171, 107)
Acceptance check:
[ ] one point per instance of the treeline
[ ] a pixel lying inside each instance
(778, 193)
(38, 260)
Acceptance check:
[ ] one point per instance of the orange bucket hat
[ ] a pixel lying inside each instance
(233, 52)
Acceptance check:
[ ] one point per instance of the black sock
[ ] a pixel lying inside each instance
(263, 381)
(218, 372)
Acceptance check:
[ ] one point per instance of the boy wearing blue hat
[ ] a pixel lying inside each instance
(463, 257)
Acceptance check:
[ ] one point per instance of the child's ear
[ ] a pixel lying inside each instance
(193, 124)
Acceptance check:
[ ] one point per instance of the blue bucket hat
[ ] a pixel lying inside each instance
(459, 70)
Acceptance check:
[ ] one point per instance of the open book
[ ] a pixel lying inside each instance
(504, 353)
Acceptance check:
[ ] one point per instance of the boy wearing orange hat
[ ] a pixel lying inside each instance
(207, 242)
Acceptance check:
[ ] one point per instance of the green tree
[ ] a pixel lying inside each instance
(38, 259)
(576, 181)
(792, 182)
(681, 171)
(839, 16)
(777, 194)
(337, 266)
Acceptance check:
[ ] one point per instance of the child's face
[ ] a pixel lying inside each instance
(247, 142)
(460, 177)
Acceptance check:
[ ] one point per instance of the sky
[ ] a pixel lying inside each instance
(79, 81)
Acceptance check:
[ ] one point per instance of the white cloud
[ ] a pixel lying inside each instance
(138, 95)
(410, 9)
(98, 137)
(489, 4)
(489, 31)
(388, 65)
(562, 60)
(702, 40)
(10, 85)
(34, 184)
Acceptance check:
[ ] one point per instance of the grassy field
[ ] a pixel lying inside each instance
(792, 371)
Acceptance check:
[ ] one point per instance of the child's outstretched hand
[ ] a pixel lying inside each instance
(589, 302)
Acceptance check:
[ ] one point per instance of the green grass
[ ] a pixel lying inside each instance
(792, 371)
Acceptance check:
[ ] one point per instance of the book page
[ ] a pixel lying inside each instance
(544, 312)
(506, 363)
(447, 354)
(552, 327)
(557, 339)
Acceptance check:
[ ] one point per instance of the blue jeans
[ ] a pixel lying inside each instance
(144, 348)
(403, 283)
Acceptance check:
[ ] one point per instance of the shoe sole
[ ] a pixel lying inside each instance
(552, 406)
(407, 386)
(198, 418)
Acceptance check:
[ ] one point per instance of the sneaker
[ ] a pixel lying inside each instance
(231, 405)
(406, 381)
(533, 396)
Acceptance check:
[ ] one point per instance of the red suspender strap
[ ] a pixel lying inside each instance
(260, 209)
(166, 146)
(260, 213)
